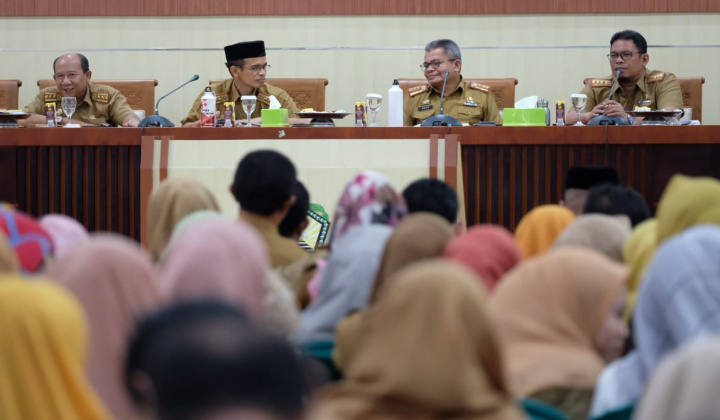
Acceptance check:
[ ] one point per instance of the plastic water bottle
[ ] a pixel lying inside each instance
(208, 108)
(395, 105)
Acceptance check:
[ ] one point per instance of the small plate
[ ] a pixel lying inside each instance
(323, 115)
(655, 114)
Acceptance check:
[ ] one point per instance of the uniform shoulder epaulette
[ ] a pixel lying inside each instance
(102, 97)
(480, 87)
(600, 83)
(417, 90)
(263, 97)
(51, 97)
(656, 77)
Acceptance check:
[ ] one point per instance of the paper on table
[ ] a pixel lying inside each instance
(529, 102)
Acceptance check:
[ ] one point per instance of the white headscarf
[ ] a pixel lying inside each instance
(679, 300)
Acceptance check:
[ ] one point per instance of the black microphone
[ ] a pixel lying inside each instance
(604, 119)
(156, 120)
(441, 119)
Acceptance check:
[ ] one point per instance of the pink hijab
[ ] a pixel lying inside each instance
(489, 250)
(115, 282)
(217, 258)
(66, 233)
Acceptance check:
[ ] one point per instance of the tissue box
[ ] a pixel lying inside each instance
(523, 116)
(275, 118)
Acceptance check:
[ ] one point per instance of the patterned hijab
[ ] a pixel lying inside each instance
(421, 363)
(540, 227)
(116, 283)
(32, 244)
(42, 354)
(172, 200)
(490, 251)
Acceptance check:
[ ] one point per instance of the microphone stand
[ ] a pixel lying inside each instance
(156, 120)
(604, 119)
(441, 119)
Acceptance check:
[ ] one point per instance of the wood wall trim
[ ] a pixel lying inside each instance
(345, 8)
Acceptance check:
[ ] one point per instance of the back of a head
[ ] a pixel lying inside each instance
(204, 357)
(432, 196)
(616, 200)
(264, 181)
(297, 213)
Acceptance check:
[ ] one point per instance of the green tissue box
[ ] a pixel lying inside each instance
(274, 118)
(523, 116)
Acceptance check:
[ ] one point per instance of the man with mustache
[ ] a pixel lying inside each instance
(247, 64)
(636, 86)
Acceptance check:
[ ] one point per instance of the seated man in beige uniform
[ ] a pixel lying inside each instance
(96, 104)
(248, 67)
(470, 103)
(636, 86)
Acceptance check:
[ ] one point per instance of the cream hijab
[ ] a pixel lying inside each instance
(430, 353)
(599, 232)
(548, 311)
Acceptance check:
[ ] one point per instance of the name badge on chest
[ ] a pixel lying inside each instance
(425, 107)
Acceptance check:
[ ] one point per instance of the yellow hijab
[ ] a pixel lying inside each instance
(42, 354)
(637, 253)
(687, 202)
(540, 227)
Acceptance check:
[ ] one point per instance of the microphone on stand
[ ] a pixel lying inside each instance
(441, 119)
(156, 120)
(604, 119)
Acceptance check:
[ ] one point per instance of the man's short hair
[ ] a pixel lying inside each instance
(297, 213)
(450, 48)
(432, 196)
(633, 36)
(84, 63)
(201, 356)
(615, 199)
(236, 63)
(264, 181)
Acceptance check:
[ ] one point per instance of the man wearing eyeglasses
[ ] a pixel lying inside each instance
(637, 87)
(248, 67)
(468, 102)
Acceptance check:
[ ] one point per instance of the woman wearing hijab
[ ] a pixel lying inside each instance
(637, 252)
(687, 202)
(560, 320)
(489, 250)
(599, 232)
(9, 262)
(116, 283)
(66, 233)
(223, 259)
(677, 303)
(538, 229)
(419, 236)
(172, 200)
(418, 363)
(685, 384)
(32, 244)
(42, 354)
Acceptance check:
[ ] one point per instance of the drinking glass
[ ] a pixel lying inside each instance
(578, 101)
(374, 100)
(248, 103)
(69, 103)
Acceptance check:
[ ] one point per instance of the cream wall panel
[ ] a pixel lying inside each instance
(550, 55)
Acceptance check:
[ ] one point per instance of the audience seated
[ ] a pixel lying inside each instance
(32, 244)
(539, 228)
(433, 196)
(598, 232)
(9, 262)
(617, 200)
(580, 180)
(559, 317)
(430, 352)
(66, 233)
(637, 252)
(687, 202)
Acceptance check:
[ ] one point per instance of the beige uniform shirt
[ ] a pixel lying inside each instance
(227, 92)
(102, 104)
(282, 251)
(470, 103)
(656, 90)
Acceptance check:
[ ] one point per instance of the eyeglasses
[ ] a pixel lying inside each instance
(434, 64)
(626, 55)
(257, 68)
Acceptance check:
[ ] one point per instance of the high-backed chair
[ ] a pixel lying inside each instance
(691, 88)
(9, 93)
(307, 93)
(503, 89)
(140, 93)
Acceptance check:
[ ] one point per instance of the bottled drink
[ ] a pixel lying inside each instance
(395, 105)
(208, 108)
(560, 112)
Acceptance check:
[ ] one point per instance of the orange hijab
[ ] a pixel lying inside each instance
(430, 353)
(548, 311)
(540, 227)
